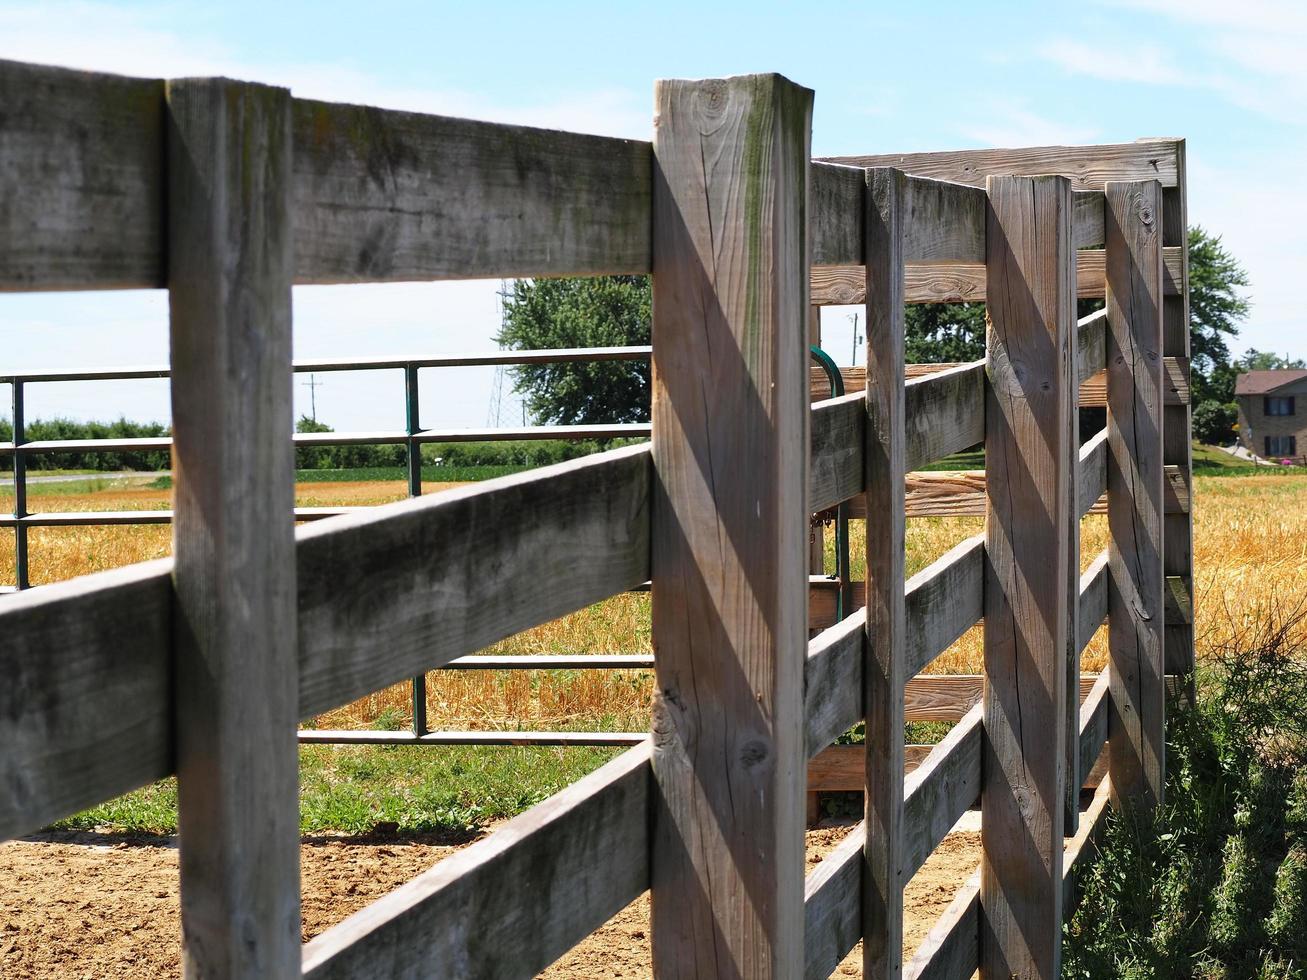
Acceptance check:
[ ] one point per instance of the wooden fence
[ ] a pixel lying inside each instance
(226, 193)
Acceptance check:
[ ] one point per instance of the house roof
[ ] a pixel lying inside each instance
(1262, 382)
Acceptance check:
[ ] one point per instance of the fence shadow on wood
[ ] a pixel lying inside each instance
(226, 193)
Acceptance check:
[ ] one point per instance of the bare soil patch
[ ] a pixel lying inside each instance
(97, 906)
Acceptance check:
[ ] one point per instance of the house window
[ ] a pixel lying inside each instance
(1277, 405)
(1281, 446)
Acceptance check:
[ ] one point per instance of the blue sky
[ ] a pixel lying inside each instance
(1231, 78)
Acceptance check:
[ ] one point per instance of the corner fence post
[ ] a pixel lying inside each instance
(1030, 298)
(229, 277)
(413, 424)
(1177, 436)
(885, 664)
(1136, 737)
(729, 544)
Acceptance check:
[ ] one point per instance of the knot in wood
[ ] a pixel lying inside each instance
(754, 752)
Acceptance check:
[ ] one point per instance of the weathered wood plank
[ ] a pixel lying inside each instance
(229, 278)
(1091, 353)
(1134, 483)
(832, 907)
(1177, 432)
(835, 214)
(1087, 227)
(951, 949)
(1093, 717)
(1080, 849)
(835, 465)
(100, 724)
(832, 682)
(1175, 385)
(943, 222)
(1091, 473)
(1029, 432)
(1093, 601)
(1087, 167)
(944, 413)
(545, 880)
(941, 789)
(885, 670)
(731, 417)
(943, 601)
(964, 282)
(944, 783)
(406, 587)
(843, 768)
(382, 196)
(81, 180)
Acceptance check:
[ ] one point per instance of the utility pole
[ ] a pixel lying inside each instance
(313, 384)
(853, 358)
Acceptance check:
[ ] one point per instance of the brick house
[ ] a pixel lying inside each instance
(1273, 412)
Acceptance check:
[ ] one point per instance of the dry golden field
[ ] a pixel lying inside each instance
(1250, 551)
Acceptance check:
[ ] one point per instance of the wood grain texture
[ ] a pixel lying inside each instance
(943, 222)
(730, 418)
(513, 902)
(1093, 716)
(943, 601)
(885, 672)
(832, 682)
(945, 782)
(944, 413)
(951, 949)
(1091, 473)
(835, 466)
(941, 789)
(1093, 600)
(1175, 385)
(843, 768)
(832, 907)
(1087, 228)
(964, 282)
(406, 587)
(835, 214)
(1134, 485)
(229, 279)
(1029, 435)
(1086, 167)
(100, 724)
(81, 180)
(1091, 352)
(1177, 431)
(382, 196)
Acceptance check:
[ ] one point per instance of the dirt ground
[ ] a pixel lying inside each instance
(96, 907)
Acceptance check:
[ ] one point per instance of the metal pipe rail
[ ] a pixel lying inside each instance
(412, 436)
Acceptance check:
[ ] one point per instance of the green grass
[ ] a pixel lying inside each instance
(405, 789)
(1214, 884)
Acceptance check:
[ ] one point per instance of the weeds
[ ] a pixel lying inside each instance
(1212, 884)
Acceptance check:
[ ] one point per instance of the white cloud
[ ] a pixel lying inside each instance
(1003, 123)
(1142, 63)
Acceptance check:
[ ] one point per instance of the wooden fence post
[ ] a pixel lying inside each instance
(1134, 489)
(1031, 309)
(1177, 538)
(884, 674)
(230, 266)
(729, 547)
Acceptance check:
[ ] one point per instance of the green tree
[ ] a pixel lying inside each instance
(605, 311)
(937, 333)
(1216, 309)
